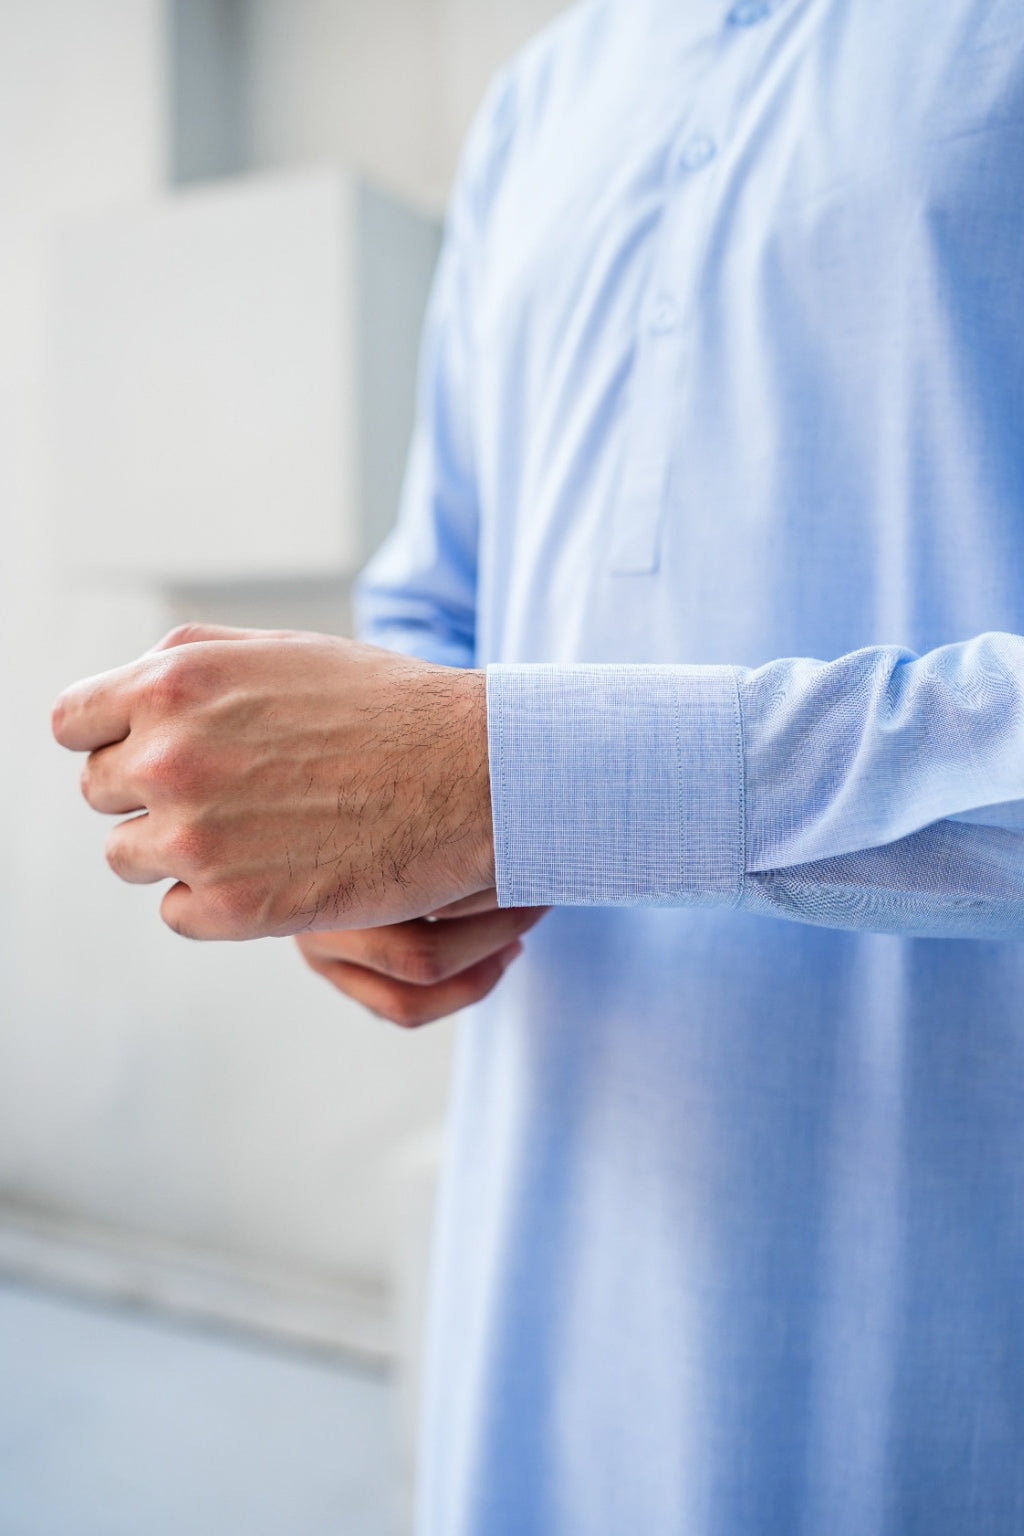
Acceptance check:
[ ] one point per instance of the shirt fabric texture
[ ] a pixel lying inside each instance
(719, 469)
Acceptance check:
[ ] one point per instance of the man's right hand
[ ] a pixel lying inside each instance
(413, 973)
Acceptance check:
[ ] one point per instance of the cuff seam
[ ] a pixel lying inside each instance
(741, 793)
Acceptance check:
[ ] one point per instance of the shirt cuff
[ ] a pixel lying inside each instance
(616, 785)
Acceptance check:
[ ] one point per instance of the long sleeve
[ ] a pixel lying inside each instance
(881, 791)
(418, 593)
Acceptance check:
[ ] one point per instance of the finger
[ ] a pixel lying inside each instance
(96, 711)
(184, 913)
(133, 852)
(107, 785)
(410, 1006)
(180, 911)
(197, 634)
(421, 952)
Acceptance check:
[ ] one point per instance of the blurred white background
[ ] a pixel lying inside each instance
(208, 1129)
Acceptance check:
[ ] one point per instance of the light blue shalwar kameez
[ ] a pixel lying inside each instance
(720, 470)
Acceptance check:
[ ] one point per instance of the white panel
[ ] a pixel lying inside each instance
(204, 385)
(355, 82)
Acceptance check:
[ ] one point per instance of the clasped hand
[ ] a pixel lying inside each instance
(292, 783)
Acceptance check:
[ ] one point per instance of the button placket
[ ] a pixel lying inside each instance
(689, 192)
(659, 350)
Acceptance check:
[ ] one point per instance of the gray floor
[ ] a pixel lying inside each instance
(114, 1424)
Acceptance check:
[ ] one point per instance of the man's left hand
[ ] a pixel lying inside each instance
(287, 781)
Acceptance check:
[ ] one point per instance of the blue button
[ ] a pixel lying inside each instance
(697, 152)
(749, 12)
(664, 316)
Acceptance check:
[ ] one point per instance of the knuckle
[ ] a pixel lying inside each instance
(170, 765)
(159, 766)
(241, 903)
(167, 687)
(190, 846)
(181, 634)
(176, 681)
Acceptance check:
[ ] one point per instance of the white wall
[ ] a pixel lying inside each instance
(349, 80)
(386, 85)
(219, 1098)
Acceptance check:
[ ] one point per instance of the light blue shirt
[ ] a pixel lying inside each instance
(720, 470)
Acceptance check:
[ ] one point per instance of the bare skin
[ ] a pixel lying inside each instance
(413, 973)
(291, 783)
(287, 782)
